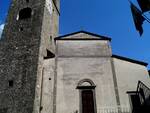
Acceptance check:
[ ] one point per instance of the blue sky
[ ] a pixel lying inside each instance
(111, 18)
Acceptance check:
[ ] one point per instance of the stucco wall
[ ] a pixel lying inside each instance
(71, 70)
(78, 60)
(128, 74)
(47, 86)
(83, 48)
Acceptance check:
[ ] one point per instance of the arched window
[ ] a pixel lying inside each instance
(87, 96)
(25, 13)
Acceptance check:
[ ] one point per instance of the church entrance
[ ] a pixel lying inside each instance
(87, 101)
(87, 96)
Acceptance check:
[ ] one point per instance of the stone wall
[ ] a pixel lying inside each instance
(22, 49)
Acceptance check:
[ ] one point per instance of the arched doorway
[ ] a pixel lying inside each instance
(87, 96)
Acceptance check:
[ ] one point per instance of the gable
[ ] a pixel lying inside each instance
(82, 35)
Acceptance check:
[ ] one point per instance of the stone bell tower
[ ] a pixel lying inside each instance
(27, 39)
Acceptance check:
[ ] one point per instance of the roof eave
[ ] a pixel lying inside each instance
(93, 34)
(130, 60)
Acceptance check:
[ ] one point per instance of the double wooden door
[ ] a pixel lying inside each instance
(87, 101)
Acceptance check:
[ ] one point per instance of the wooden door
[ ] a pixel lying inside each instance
(87, 101)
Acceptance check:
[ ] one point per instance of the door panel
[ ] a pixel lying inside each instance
(87, 101)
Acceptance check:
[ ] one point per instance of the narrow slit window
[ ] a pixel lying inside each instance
(21, 29)
(11, 83)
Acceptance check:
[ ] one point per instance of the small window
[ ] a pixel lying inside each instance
(21, 29)
(25, 13)
(50, 38)
(11, 83)
(3, 110)
(49, 54)
(41, 108)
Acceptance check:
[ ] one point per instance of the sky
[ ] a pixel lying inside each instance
(110, 18)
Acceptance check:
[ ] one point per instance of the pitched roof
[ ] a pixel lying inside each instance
(130, 60)
(95, 36)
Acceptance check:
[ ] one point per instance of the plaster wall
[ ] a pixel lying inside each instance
(78, 60)
(47, 85)
(83, 48)
(128, 74)
(50, 26)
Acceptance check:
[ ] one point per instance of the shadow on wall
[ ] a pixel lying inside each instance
(140, 99)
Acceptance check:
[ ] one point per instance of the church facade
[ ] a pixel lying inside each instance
(42, 72)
